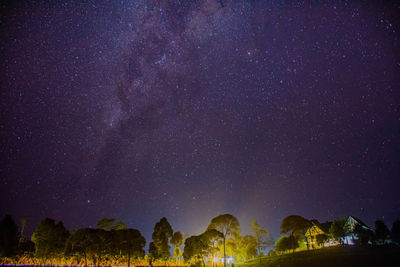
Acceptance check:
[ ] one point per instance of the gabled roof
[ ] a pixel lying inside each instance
(323, 227)
(351, 222)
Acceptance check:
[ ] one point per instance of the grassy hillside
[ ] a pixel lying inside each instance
(332, 257)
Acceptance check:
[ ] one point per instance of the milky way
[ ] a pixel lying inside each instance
(188, 109)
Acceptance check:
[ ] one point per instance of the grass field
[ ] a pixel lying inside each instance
(336, 256)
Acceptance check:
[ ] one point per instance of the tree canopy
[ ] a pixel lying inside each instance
(285, 243)
(195, 248)
(8, 236)
(227, 225)
(84, 242)
(294, 224)
(381, 231)
(247, 247)
(94, 243)
(49, 237)
(337, 228)
(177, 239)
(396, 231)
(107, 224)
(262, 235)
(159, 248)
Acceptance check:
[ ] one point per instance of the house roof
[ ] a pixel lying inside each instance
(324, 227)
(352, 221)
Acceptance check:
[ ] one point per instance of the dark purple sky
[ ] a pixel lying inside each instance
(185, 109)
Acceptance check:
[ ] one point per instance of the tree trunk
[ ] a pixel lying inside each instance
(129, 259)
(224, 254)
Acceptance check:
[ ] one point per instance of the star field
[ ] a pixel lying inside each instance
(188, 109)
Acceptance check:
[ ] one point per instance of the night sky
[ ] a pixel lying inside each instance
(137, 110)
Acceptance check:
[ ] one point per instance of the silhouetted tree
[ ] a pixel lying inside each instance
(26, 246)
(129, 242)
(195, 248)
(49, 238)
(177, 239)
(227, 225)
(8, 236)
(381, 231)
(200, 246)
(159, 248)
(212, 238)
(364, 235)
(285, 243)
(294, 224)
(396, 231)
(84, 242)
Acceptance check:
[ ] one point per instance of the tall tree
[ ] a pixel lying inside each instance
(49, 238)
(337, 229)
(195, 248)
(396, 231)
(262, 235)
(228, 226)
(211, 239)
(8, 236)
(84, 242)
(159, 248)
(130, 242)
(381, 231)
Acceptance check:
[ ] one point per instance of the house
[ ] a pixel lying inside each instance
(353, 228)
(356, 232)
(318, 229)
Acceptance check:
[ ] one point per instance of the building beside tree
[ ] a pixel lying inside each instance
(356, 232)
(317, 235)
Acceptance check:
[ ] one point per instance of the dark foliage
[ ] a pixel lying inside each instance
(294, 224)
(364, 235)
(285, 243)
(396, 231)
(381, 231)
(8, 236)
(49, 238)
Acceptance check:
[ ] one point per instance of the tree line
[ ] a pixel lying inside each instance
(113, 243)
